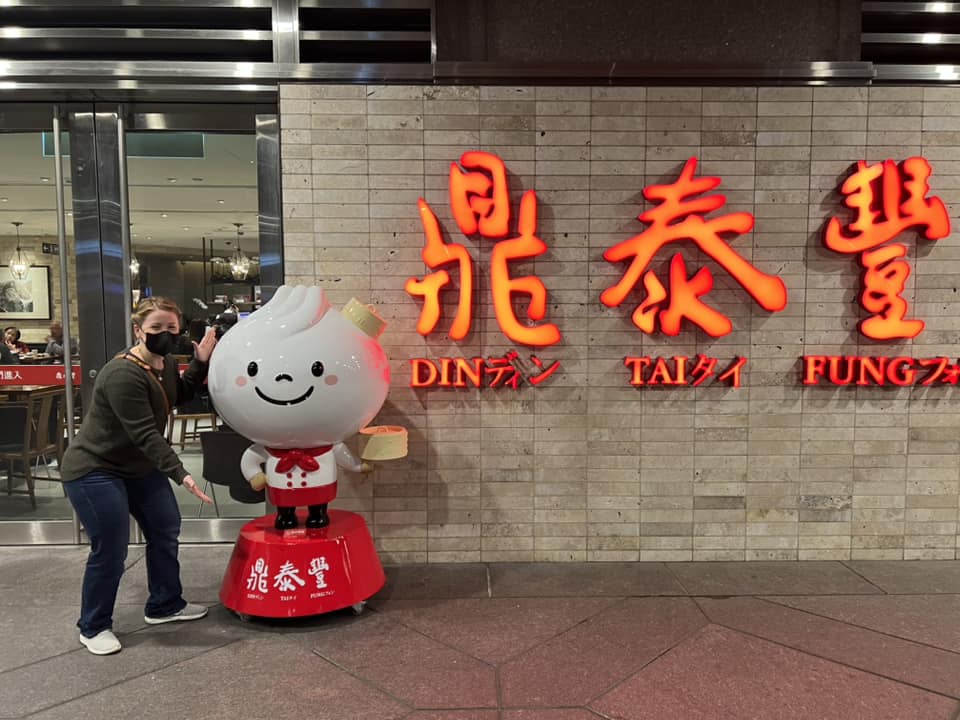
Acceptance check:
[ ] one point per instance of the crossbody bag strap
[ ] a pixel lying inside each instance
(127, 355)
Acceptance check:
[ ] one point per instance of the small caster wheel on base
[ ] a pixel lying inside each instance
(243, 617)
(359, 607)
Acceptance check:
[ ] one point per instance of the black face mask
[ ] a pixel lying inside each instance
(161, 343)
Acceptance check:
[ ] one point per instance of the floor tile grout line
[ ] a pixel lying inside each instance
(633, 673)
(956, 713)
(363, 680)
(613, 601)
(676, 577)
(863, 577)
(837, 662)
(161, 668)
(859, 627)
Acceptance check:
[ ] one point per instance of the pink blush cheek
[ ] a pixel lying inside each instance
(241, 381)
(330, 380)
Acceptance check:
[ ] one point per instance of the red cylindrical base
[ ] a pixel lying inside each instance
(301, 572)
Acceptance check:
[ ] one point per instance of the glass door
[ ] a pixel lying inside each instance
(203, 232)
(196, 237)
(175, 200)
(38, 310)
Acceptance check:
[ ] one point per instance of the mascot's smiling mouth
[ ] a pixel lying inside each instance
(295, 401)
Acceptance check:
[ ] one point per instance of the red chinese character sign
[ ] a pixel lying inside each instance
(479, 198)
(888, 200)
(679, 216)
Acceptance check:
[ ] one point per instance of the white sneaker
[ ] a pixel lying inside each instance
(190, 612)
(103, 643)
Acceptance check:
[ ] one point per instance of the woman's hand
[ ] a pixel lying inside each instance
(191, 486)
(203, 349)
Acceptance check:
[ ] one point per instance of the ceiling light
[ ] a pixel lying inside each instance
(149, 237)
(930, 38)
(163, 215)
(19, 263)
(4, 199)
(947, 72)
(220, 202)
(937, 7)
(171, 180)
(134, 266)
(239, 263)
(12, 32)
(44, 179)
(186, 227)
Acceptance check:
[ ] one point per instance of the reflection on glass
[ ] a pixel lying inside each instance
(32, 394)
(193, 215)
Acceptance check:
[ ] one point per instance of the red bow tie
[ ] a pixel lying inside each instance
(303, 458)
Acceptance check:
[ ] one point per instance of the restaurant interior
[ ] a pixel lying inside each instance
(193, 209)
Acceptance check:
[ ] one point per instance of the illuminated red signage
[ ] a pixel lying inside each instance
(480, 201)
(679, 370)
(507, 371)
(888, 200)
(899, 371)
(680, 216)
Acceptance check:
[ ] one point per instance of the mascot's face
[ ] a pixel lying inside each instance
(297, 374)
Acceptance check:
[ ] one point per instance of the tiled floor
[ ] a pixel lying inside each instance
(811, 641)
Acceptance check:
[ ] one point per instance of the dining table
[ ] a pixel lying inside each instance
(17, 393)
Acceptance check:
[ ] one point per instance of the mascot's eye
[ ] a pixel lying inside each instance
(252, 369)
(317, 369)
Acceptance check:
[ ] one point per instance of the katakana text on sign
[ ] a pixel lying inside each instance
(888, 200)
(480, 200)
(677, 216)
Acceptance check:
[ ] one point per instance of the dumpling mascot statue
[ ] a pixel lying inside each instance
(298, 379)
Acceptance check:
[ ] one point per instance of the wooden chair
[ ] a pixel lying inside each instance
(189, 433)
(36, 416)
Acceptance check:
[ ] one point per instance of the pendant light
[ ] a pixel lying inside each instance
(239, 263)
(134, 263)
(19, 264)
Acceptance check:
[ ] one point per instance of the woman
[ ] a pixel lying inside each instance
(11, 338)
(119, 465)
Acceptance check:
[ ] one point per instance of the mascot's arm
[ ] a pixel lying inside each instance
(348, 461)
(251, 465)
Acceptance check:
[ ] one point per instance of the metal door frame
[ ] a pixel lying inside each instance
(98, 172)
(46, 117)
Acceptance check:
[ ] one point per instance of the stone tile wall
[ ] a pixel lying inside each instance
(584, 467)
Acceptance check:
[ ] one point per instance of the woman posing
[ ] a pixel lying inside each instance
(119, 465)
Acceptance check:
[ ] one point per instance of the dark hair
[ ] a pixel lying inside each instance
(15, 329)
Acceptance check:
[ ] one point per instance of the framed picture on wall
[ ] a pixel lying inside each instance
(27, 299)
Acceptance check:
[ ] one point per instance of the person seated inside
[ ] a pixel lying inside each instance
(7, 356)
(55, 342)
(11, 338)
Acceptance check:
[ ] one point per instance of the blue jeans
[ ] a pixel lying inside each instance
(104, 504)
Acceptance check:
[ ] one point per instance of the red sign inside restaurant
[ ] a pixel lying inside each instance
(888, 200)
(36, 375)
